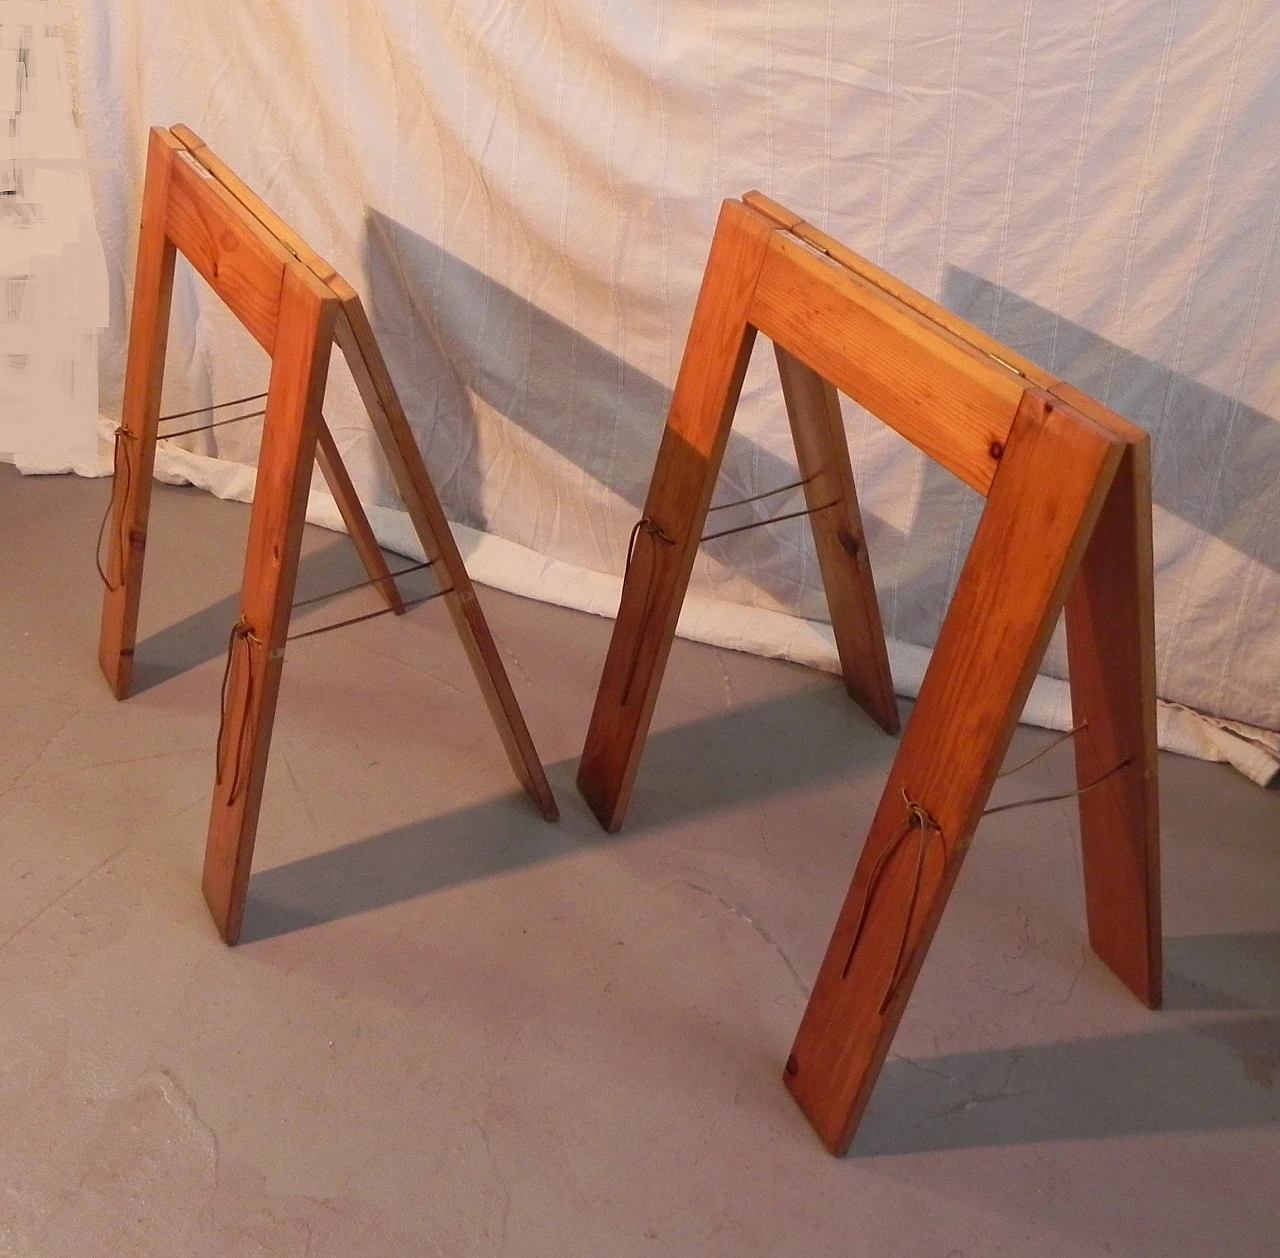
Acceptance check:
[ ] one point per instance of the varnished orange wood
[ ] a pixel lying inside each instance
(369, 370)
(214, 221)
(889, 284)
(136, 442)
(294, 304)
(299, 368)
(1054, 476)
(378, 392)
(1059, 470)
(233, 253)
(1111, 658)
(934, 388)
(706, 394)
(822, 454)
(344, 494)
(249, 200)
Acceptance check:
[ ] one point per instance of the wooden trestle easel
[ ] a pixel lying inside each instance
(1067, 521)
(295, 306)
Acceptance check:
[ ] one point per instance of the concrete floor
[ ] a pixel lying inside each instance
(455, 1030)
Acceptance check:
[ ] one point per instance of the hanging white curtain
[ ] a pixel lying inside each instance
(525, 191)
(53, 282)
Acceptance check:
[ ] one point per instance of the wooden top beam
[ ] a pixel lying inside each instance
(945, 320)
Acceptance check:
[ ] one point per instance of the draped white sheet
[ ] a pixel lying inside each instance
(52, 271)
(525, 191)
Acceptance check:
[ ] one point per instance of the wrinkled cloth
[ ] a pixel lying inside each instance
(525, 193)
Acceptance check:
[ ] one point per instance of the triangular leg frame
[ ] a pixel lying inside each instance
(1067, 523)
(295, 306)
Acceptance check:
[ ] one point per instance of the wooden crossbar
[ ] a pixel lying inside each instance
(1067, 523)
(296, 306)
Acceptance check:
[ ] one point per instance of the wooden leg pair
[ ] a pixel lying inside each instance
(295, 305)
(1067, 523)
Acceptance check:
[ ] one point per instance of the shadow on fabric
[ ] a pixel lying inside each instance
(1198, 1076)
(594, 409)
(202, 636)
(1222, 470)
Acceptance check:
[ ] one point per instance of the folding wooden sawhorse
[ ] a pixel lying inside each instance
(1067, 521)
(294, 305)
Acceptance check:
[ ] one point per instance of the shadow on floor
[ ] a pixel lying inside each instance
(1222, 972)
(1204, 1075)
(496, 837)
(1200, 1076)
(202, 636)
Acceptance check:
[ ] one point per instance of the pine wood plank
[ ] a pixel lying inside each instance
(945, 397)
(299, 371)
(378, 392)
(275, 226)
(895, 288)
(706, 393)
(1111, 661)
(376, 388)
(327, 453)
(344, 494)
(1053, 479)
(136, 444)
(232, 252)
(822, 453)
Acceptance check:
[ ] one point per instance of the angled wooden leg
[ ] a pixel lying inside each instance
(1111, 654)
(344, 494)
(136, 439)
(822, 453)
(256, 655)
(1055, 473)
(665, 542)
(360, 347)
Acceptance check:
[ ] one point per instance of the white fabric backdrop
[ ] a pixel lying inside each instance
(525, 191)
(52, 271)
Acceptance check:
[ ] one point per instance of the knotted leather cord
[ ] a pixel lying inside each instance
(773, 519)
(648, 527)
(1053, 799)
(240, 631)
(768, 493)
(218, 406)
(219, 423)
(355, 620)
(128, 470)
(120, 433)
(918, 818)
(1044, 751)
(361, 585)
